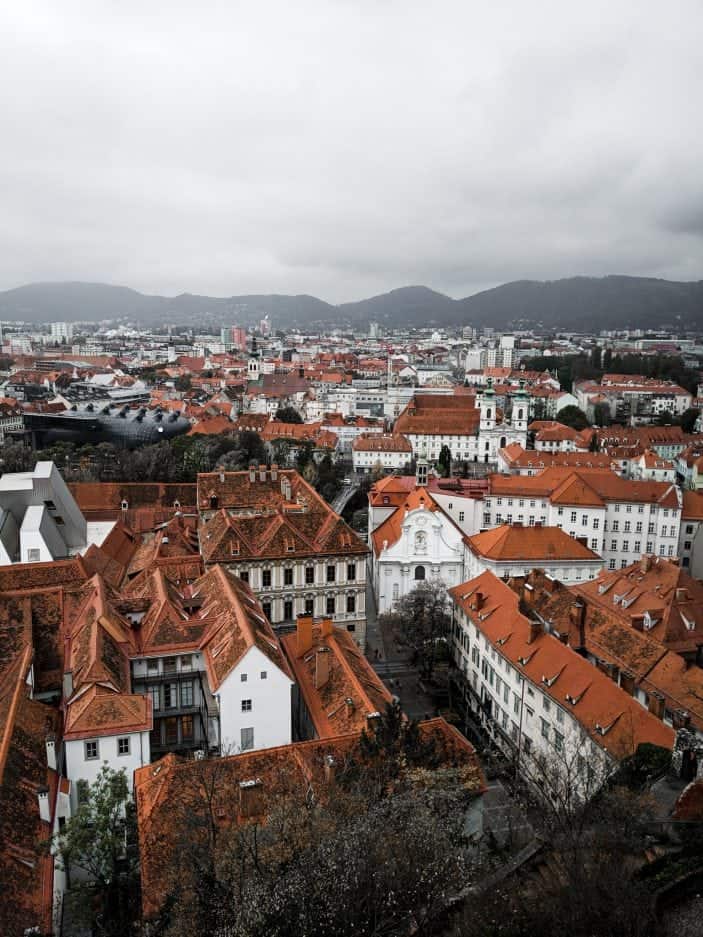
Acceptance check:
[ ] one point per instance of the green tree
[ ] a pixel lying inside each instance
(421, 622)
(183, 383)
(601, 414)
(574, 417)
(98, 849)
(288, 415)
(445, 461)
(688, 419)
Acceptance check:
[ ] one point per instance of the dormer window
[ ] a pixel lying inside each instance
(214, 501)
(124, 505)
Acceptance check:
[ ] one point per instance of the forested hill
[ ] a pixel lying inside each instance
(588, 303)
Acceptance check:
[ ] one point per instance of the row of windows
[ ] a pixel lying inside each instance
(330, 606)
(288, 575)
(92, 748)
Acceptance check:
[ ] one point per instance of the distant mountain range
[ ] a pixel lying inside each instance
(576, 303)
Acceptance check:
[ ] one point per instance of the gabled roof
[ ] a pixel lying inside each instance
(247, 788)
(578, 687)
(26, 867)
(389, 531)
(536, 545)
(238, 624)
(350, 690)
(99, 711)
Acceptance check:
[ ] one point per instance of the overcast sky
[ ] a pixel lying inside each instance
(344, 147)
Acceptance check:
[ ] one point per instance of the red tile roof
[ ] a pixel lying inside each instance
(574, 684)
(529, 544)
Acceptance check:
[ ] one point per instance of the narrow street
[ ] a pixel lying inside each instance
(392, 664)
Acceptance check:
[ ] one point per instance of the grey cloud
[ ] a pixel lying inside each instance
(342, 148)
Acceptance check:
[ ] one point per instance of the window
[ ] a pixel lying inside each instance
(330, 605)
(584, 520)
(611, 564)
(244, 575)
(626, 546)
(264, 675)
(266, 578)
(613, 544)
(331, 573)
(689, 528)
(266, 608)
(546, 704)
(33, 556)
(91, 751)
(246, 705)
(638, 527)
(594, 543)
(170, 664)
(123, 746)
(544, 728)
(247, 739)
(243, 677)
(187, 693)
(558, 741)
(288, 576)
(351, 603)
(309, 606)
(461, 516)
(637, 546)
(560, 715)
(419, 572)
(187, 662)
(627, 527)
(288, 609)
(186, 728)
(650, 546)
(309, 575)
(155, 700)
(596, 523)
(170, 695)
(573, 517)
(152, 666)
(351, 571)
(616, 526)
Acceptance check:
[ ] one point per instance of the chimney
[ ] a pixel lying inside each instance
(51, 751)
(251, 798)
(322, 667)
(682, 719)
(646, 563)
(252, 473)
(262, 473)
(577, 615)
(222, 477)
(301, 371)
(44, 808)
(528, 594)
(535, 630)
(627, 682)
(326, 627)
(478, 600)
(656, 705)
(67, 684)
(330, 766)
(274, 472)
(304, 633)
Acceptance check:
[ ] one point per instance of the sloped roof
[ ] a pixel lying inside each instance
(171, 792)
(99, 711)
(511, 542)
(389, 531)
(352, 688)
(598, 701)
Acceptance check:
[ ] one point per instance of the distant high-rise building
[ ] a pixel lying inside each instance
(265, 326)
(234, 335)
(62, 331)
(374, 330)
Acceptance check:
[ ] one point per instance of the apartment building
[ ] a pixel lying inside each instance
(563, 721)
(617, 518)
(381, 450)
(273, 530)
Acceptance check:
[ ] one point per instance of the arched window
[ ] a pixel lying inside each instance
(419, 572)
(519, 414)
(488, 413)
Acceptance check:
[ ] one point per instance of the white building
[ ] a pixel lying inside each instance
(62, 332)
(381, 450)
(514, 550)
(565, 723)
(618, 518)
(39, 518)
(417, 542)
